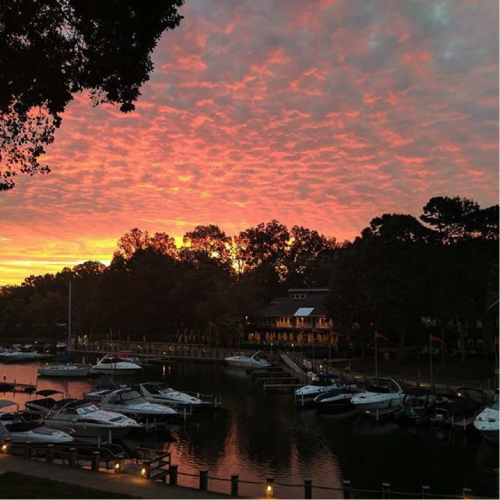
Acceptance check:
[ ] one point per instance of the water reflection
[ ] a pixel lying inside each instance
(259, 434)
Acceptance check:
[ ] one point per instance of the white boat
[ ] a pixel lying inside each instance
(161, 393)
(320, 383)
(88, 421)
(68, 370)
(381, 398)
(254, 361)
(112, 365)
(130, 402)
(14, 425)
(487, 422)
(17, 356)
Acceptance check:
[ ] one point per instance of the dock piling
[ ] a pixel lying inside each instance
(308, 488)
(347, 489)
(96, 459)
(173, 474)
(426, 492)
(386, 490)
(234, 485)
(204, 479)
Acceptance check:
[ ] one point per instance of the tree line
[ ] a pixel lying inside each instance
(401, 276)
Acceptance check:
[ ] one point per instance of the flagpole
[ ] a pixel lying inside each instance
(376, 356)
(430, 354)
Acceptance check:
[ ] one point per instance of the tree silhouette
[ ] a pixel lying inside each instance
(52, 49)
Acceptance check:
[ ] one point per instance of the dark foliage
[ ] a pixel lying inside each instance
(52, 49)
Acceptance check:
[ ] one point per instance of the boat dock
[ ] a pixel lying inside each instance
(14, 386)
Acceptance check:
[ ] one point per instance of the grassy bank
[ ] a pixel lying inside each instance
(15, 485)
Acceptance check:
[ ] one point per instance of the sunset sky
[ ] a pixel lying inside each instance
(319, 113)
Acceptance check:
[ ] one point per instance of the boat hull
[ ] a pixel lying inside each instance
(61, 373)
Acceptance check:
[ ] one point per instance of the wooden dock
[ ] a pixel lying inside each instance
(14, 386)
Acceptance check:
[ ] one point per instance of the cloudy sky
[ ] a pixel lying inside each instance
(320, 113)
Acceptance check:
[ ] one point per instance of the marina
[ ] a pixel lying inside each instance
(257, 435)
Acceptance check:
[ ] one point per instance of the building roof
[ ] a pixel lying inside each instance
(311, 306)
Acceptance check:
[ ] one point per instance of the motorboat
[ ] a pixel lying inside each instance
(381, 398)
(15, 426)
(67, 370)
(44, 405)
(113, 365)
(242, 361)
(98, 394)
(338, 398)
(459, 411)
(487, 422)
(130, 402)
(16, 355)
(161, 393)
(89, 421)
(321, 383)
(418, 406)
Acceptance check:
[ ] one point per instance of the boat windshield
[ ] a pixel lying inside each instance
(83, 410)
(132, 397)
(495, 406)
(322, 382)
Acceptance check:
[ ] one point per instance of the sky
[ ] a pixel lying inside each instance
(318, 113)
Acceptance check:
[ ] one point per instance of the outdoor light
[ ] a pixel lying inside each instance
(143, 473)
(118, 468)
(270, 487)
(4, 448)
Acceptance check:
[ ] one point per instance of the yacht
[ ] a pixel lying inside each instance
(161, 393)
(15, 426)
(488, 420)
(321, 383)
(113, 365)
(130, 402)
(338, 398)
(418, 406)
(68, 370)
(459, 411)
(88, 421)
(381, 398)
(242, 361)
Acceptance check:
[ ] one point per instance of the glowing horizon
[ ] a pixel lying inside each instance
(322, 114)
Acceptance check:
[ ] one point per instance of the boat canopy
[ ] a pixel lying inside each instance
(5, 403)
(48, 392)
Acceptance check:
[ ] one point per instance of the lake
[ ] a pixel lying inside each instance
(259, 434)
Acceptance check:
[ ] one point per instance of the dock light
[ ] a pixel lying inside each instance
(143, 473)
(118, 468)
(4, 448)
(270, 487)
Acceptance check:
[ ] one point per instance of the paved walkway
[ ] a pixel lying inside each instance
(116, 483)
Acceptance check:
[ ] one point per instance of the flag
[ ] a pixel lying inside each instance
(380, 336)
(436, 339)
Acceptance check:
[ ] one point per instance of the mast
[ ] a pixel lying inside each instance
(69, 317)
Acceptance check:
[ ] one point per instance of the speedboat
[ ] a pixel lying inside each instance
(130, 402)
(459, 412)
(381, 398)
(44, 405)
(338, 398)
(418, 406)
(69, 370)
(242, 361)
(113, 365)
(15, 426)
(161, 393)
(487, 422)
(321, 383)
(88, 421)
(16, 355)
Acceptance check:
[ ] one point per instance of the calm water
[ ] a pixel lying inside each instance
(260, 434)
